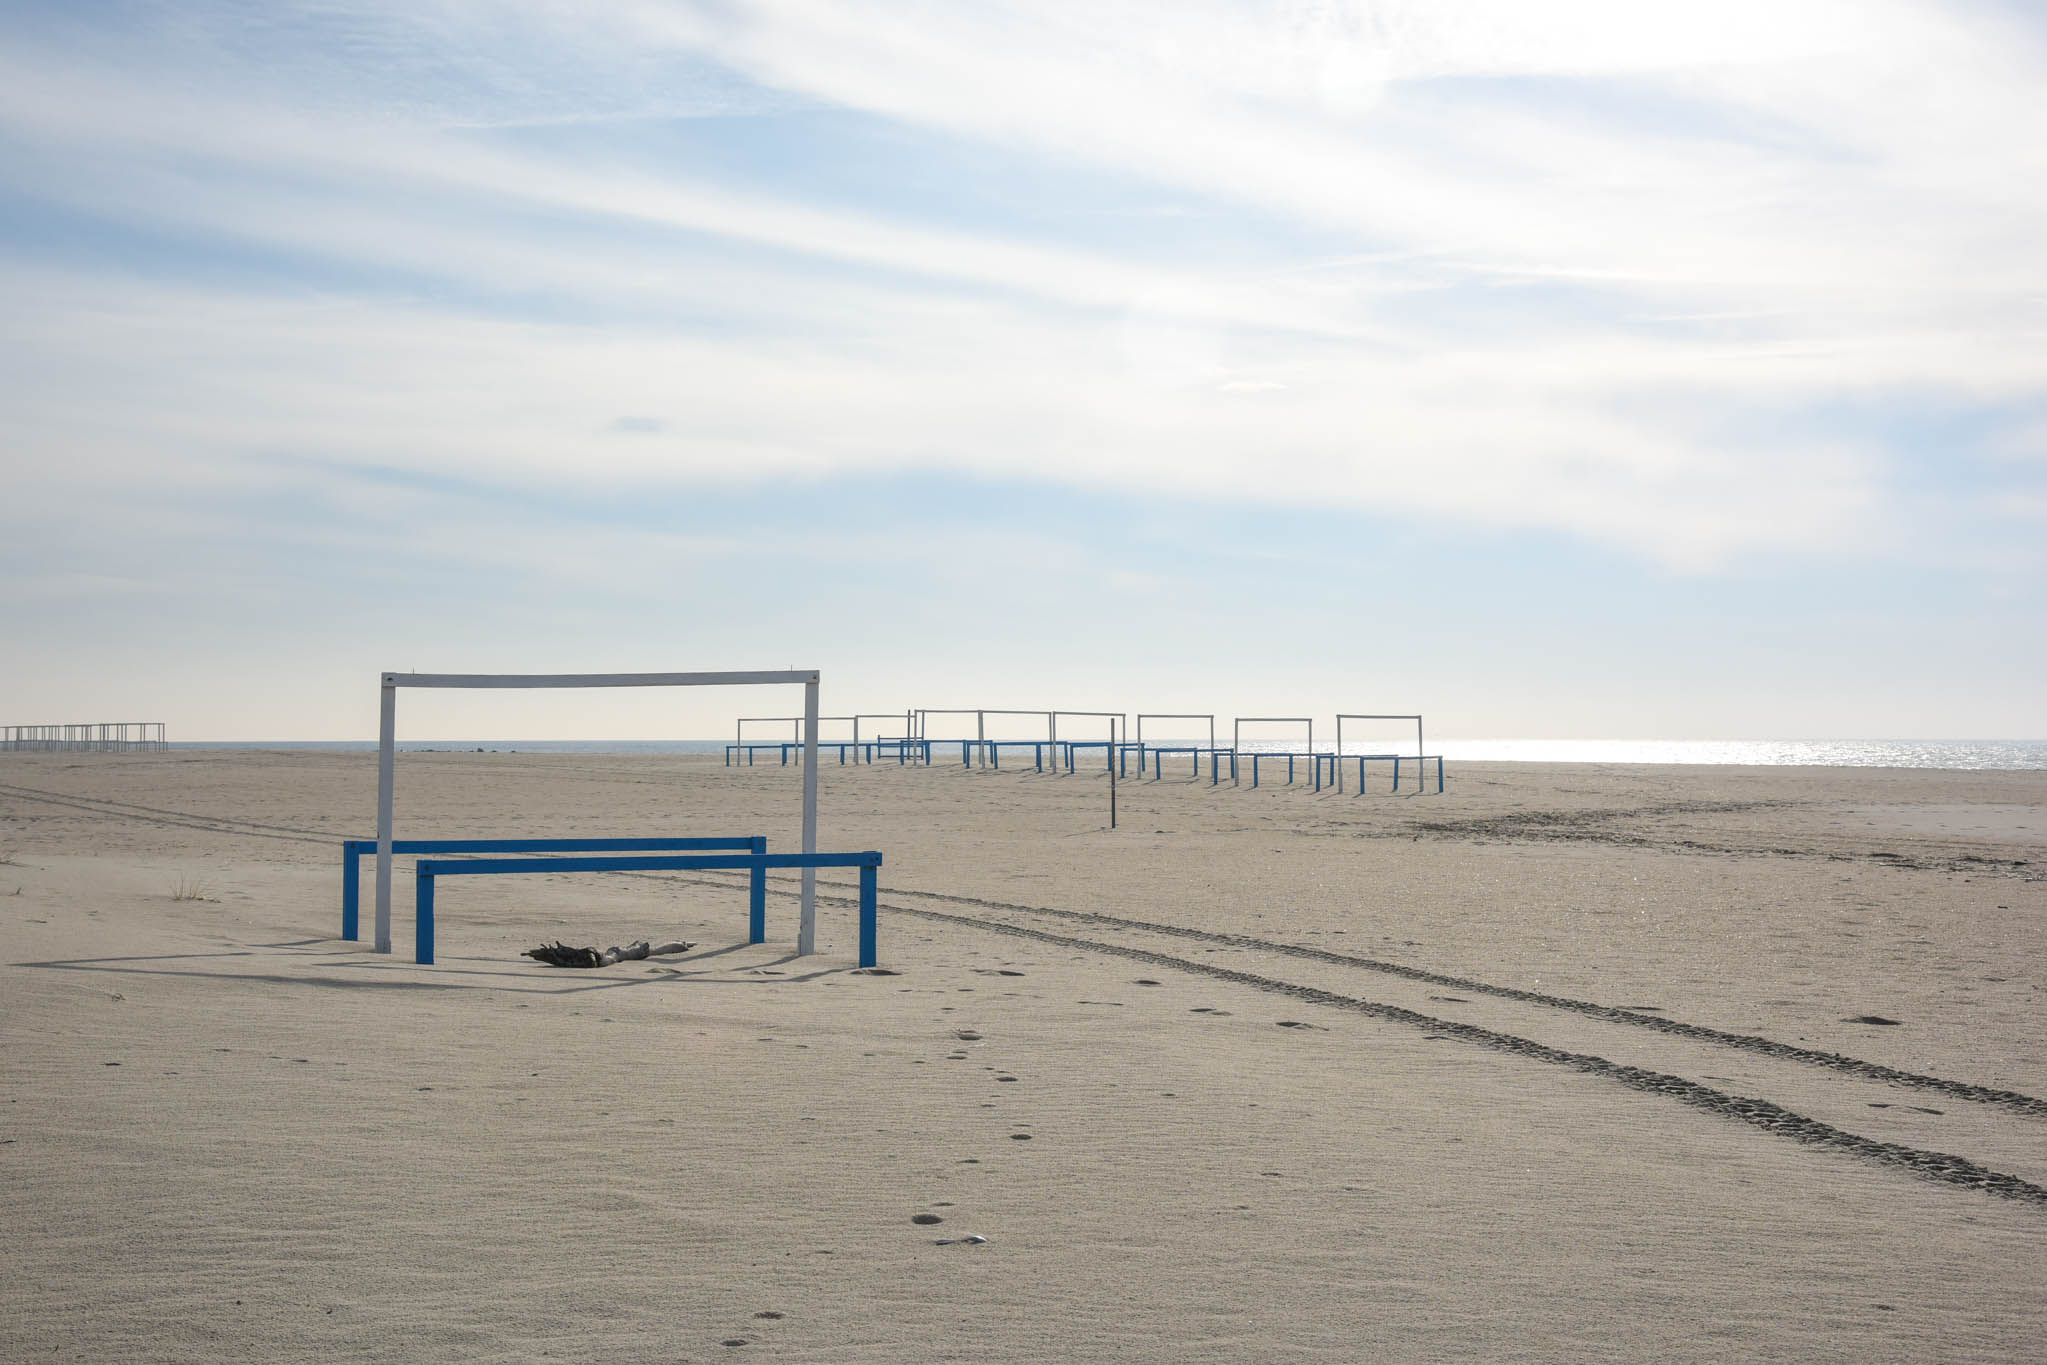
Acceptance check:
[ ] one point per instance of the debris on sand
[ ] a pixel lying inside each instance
(562, 955)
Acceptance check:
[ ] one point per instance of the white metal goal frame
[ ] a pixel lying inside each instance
(1118, 721)
(1342, 716)
(389, 683)
(795, 724)
(1144, 716)
(1238, 723)
(980, 714)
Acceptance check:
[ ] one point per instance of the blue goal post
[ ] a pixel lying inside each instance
(869, 863)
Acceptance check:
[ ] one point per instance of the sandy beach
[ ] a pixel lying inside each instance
(1568, 1063)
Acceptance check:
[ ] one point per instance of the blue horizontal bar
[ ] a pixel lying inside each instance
(353, 849)
(673, 862)
(869, 863)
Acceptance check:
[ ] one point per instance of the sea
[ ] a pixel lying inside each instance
(1967, 755)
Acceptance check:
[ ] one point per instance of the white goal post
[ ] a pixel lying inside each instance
(806, 932)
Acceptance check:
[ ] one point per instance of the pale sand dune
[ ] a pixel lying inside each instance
(310, 1151)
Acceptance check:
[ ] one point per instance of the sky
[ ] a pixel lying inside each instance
(1596, 369)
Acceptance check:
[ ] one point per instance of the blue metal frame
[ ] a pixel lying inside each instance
(1108, 751)
(863, 750)
(427, 870)
(1194, 751)
(1317, 758)
(354, 849)
(1421, 762)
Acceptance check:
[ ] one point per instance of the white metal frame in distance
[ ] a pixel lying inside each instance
(980, 715)
(806, 933)
(1143, 716)
(1113, 717)
(1420, 753)
(795, 724)
(1237, 735)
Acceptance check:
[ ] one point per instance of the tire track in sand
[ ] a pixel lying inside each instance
(1775, 1119)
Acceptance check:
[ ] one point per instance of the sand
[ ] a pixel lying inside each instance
(1261, 1075)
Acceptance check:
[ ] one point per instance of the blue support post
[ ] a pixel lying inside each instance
(351, 888)
(423, 919)
(757, 895)
(869, 876)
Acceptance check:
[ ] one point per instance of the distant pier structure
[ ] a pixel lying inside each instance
(103, 737)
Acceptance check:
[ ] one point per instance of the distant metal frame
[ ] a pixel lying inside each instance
(1144, 716)
(115, 736)
(389, 683)
(793, 722)
(795, 726)
(1111, 716)
(1342, 716)
(1237, 735)
(980, 715)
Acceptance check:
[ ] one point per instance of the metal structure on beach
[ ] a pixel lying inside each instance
(103, 737)
(1322, 767)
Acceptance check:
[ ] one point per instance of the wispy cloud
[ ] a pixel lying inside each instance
(1591, 269)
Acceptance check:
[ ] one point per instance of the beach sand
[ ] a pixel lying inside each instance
(1260, 1075)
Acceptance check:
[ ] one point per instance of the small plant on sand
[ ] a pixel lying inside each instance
(6, 857)
(187, 888)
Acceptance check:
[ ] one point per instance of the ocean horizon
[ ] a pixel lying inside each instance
(1968, 755)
